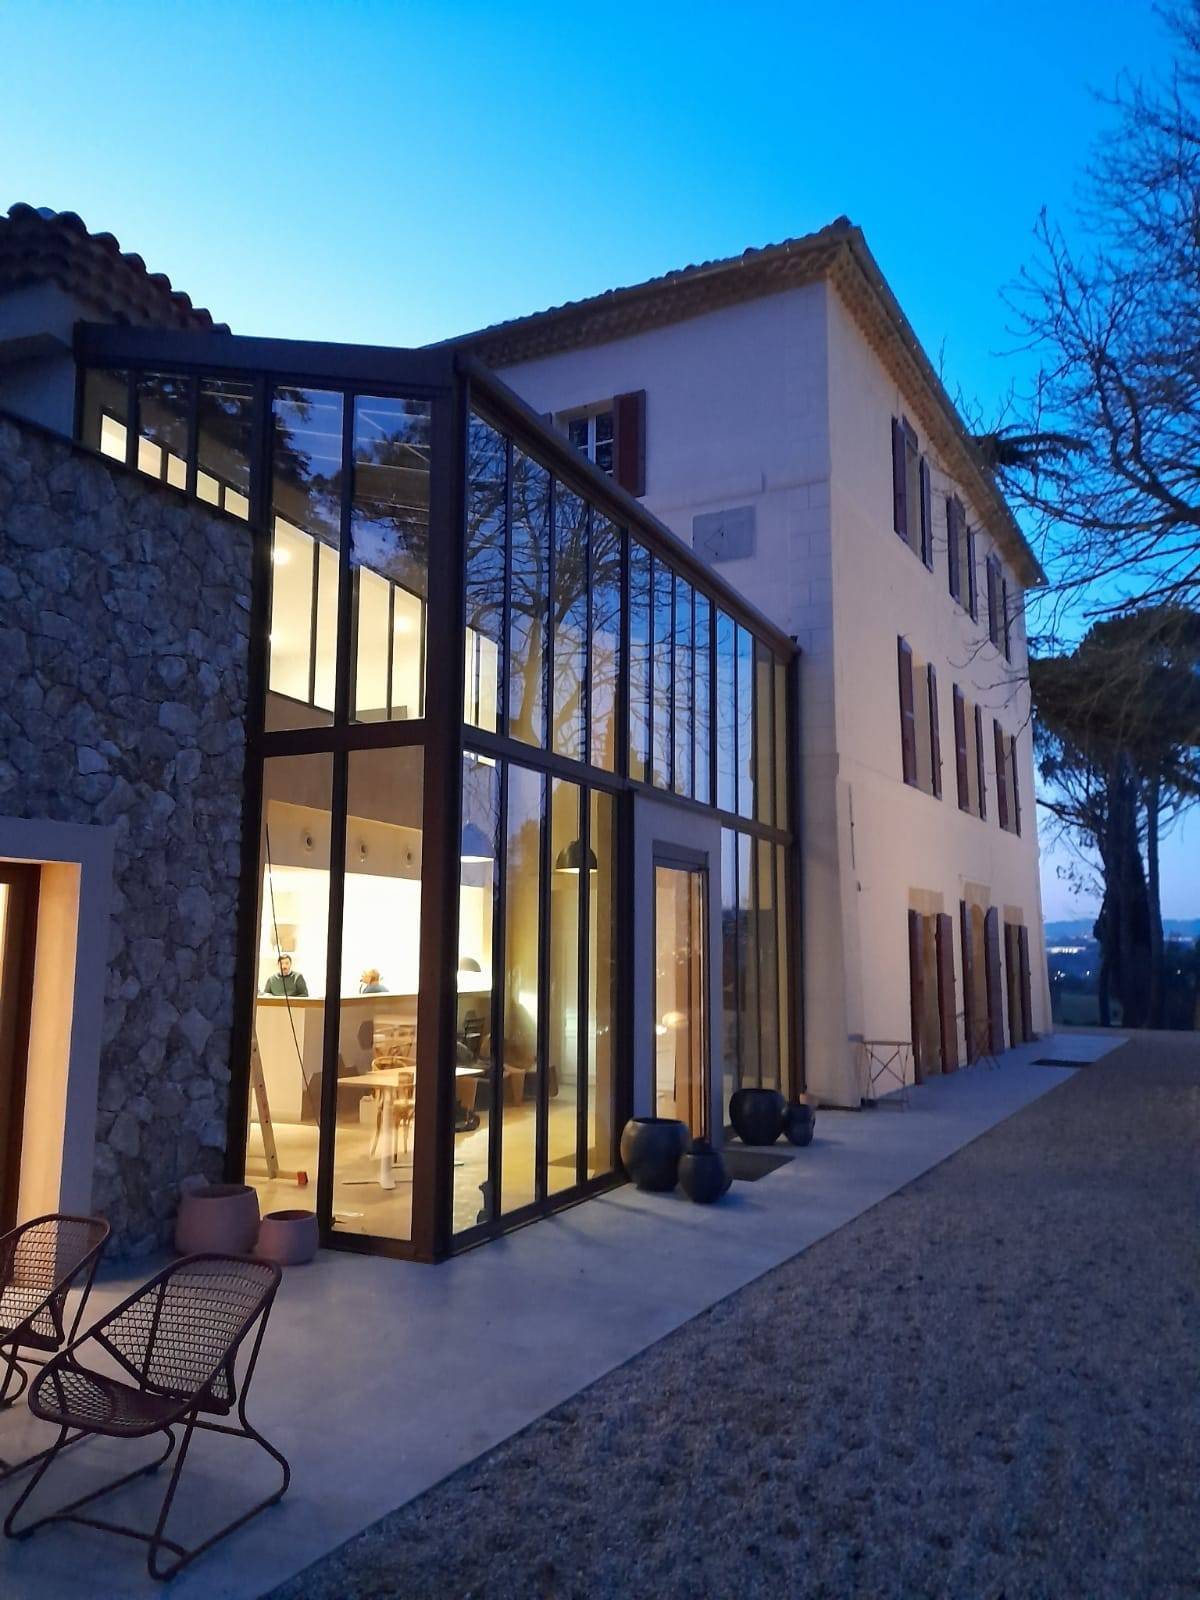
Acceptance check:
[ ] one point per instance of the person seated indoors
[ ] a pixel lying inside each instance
(285, 982)
(369, 982)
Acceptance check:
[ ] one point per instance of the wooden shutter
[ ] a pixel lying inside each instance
(972, 583)
(1005, 619)
(899, 481)
(970, 1022)
(916, 986)
(926, 515)
(629, 441)
(993, 601)
(908, 720)
(980, 763)
(1026, 982)
(1001, 775)
(995, 998)
(960, 750)
(953, 513)
(935, 736)
(1016, 794)
(947, 1000)
(1013, 982)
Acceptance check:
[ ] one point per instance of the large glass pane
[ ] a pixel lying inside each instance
(487, 492)
(680, 1020)
(764, 733)
(606, 641)
(729, 968)
(226, 410)
(529, 600)
(569, 610)
(287, 1045)
(163, 405)
(639, 661)
(745, 723)
(726, 713)
(662, 737)
(768, 968)
(381, 946)
(570, 866)
(306, 506)
(389, 550)
(684, 729)
(477, 1068)
(748, 1012)
(105, 421)
(701, 701)
(602, 983)
(522, 1020)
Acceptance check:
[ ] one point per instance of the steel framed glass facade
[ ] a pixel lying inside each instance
(468, 651)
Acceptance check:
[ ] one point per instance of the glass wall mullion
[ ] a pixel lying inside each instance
(621, 761)
(505, 648)
(585, 744)
(500, 920)
(261, 464)
(541, 1136)
(583, 1050)
(346, 617)
(327, 1113)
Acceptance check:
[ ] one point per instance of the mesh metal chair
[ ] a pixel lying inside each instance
(40, 1263)
(174, 1344)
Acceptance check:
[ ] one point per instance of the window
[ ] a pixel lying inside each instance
(1008, 798)
(912, 511)
(920, 735)
(995, 601)
(592, 436)
(968, 755)
(960, 548)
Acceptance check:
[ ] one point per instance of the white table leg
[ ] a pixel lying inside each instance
(387, 1178)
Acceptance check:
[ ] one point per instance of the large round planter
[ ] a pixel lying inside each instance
(288, 1237)
(650, 1151)
(221, 1217)
(799, 1120)
(702, 1174)
(757, 1115)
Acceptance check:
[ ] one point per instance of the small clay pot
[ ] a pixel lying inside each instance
(220, 1217)
(288, 1237)
(799, 1120)
(702, 1174)
(757, 1115)
(650, 1151)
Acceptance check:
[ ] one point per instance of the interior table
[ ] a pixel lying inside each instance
(387, 1082)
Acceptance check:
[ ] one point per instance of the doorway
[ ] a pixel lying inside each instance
(18, 932)
(681, 1023)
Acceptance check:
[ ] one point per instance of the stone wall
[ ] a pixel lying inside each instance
(124, 630)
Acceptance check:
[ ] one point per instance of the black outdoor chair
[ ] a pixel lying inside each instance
(175, 1345)
(40, 1262)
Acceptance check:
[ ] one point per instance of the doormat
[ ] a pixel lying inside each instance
(748, 1166)
(1055, 1061)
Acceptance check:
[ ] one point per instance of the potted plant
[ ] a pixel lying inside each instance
(757, 1115)
(702, 1174)
(650, 1151)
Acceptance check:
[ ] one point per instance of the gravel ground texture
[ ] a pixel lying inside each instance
(988, 1385)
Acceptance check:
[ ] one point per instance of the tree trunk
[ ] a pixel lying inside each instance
(1157, 959)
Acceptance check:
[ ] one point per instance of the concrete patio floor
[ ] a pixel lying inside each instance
(379, 1378)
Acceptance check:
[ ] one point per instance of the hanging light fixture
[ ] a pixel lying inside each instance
(570, 858)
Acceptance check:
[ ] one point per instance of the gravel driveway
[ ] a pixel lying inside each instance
(986, 1386)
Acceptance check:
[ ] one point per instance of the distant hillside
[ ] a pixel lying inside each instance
(1081, 928)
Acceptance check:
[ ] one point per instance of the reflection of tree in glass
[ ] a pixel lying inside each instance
(306, 458)
(487, 471)
(390, 516)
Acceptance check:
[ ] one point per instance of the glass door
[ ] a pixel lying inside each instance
(681, 994)
(18, 907)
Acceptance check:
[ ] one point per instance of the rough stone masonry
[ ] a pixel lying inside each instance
(124, 632)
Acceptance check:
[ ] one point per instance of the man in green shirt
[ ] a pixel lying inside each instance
(286, 982)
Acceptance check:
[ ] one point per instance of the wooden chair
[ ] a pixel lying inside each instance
(399, 1057)
(174, 1344)
(40, 1262)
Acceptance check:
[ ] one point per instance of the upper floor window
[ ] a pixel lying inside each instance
(999, 608)
(912, 500)
(968, 755)
(592, 436)
(1008, 794)
(920, 740)
(960, 552)
(612, 435)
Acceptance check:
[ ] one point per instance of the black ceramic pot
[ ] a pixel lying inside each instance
(757, 1115)
(799, 1120)
(702, 1175)
(650, 1151)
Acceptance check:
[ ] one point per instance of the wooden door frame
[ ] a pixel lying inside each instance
(16, 1010)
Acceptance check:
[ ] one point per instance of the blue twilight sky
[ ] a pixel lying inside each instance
(398, 172)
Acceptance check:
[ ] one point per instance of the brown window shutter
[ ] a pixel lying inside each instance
(993, 601)
(916, 986)
(1016, 793)
(960, 750)
(908, 721)
(1013, 979)
(935, 736)
(947, 1000)
(972, 584)
(995, 997)
(899, 481)
(926, 515)
(980, 763)
(953, 512)
(1005, 619)
(1026, 981)
(970, 1022)
(629, 441)
(1001, 775)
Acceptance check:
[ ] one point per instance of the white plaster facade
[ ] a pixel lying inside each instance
(782, 403)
